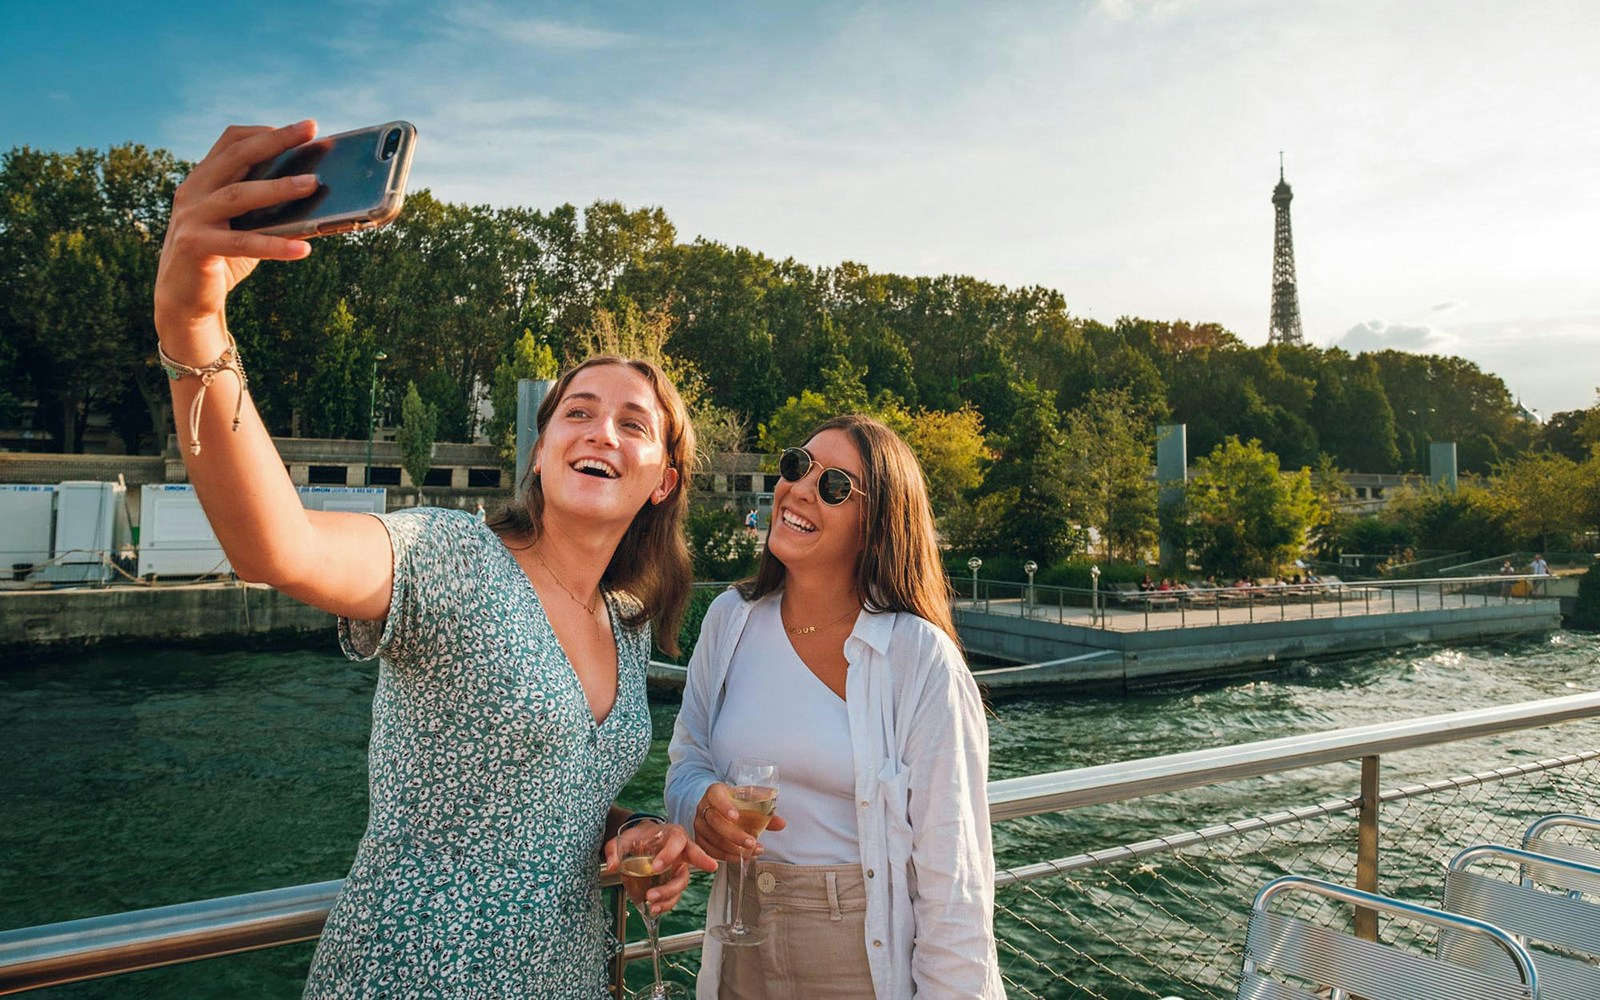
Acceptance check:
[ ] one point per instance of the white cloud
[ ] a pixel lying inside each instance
(1378, 335)
(505, 26)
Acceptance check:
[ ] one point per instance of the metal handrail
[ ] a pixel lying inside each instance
(1012, 798)
(65, 952)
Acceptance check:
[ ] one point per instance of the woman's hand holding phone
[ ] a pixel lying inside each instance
(204, 257)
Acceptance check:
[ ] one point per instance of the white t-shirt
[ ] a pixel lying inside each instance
(777, 709)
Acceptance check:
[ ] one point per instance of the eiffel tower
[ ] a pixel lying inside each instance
(1285, 299)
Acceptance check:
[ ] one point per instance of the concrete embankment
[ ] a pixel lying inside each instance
(1078, 656)
(36, 621)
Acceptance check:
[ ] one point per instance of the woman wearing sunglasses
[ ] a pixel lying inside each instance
(838, 662)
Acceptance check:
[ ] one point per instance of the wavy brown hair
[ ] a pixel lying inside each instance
(651, 563)
(898, 568)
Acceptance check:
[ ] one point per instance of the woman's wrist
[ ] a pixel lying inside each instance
(194, 342)
(641, 817)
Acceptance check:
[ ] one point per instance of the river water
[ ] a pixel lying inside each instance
(137, 778)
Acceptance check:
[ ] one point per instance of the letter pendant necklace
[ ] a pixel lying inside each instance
(808, 629)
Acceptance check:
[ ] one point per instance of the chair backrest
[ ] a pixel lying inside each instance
(1290, 958)
(1560, 918)
(1541, 839)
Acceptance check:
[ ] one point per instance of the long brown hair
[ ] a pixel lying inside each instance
(898, 568)
(651, 562)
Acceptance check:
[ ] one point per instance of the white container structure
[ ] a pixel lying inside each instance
(27, 517)
(175, 539)
(91, 529)
(353, 499)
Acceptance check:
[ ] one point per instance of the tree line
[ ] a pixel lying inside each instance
(1036, 426)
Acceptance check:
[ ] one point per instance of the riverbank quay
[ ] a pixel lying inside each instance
(41, 620)
(1149, 640)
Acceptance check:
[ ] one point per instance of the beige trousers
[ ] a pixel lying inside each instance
(815, 919)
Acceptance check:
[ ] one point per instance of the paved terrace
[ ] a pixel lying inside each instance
(1061, 639)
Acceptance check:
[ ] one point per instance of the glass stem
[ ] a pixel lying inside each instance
(738, 896)
(653, 926)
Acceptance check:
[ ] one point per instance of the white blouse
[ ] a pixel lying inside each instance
(921, 753)
(777, 709)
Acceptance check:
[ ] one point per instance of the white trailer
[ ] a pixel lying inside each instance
(91, 530)
(354, 499)
(27, 523)
(175, 539)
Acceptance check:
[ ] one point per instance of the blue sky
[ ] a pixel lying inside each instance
(1443, 154)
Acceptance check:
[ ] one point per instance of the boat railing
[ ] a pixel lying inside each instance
(1129, 610)
(1137, 876)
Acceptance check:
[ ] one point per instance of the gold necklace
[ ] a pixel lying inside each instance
(588, 608)
(808, 629)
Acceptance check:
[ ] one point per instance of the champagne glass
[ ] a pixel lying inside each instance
(638, 846)
(754, 784)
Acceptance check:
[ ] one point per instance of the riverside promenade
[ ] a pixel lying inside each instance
(1146, 640)
(1054, 642)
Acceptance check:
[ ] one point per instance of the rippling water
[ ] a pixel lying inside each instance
(140, 778)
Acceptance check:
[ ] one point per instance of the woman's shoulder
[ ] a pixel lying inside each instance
(722, 613)
(725, 604)
(433, 518)
(913, 632)
(433, 533)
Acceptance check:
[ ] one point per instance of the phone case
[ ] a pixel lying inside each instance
(359, 187)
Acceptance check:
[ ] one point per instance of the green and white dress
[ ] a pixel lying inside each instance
(489, 779)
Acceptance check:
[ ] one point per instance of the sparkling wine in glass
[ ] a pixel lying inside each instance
(754, 784)
(638, 846)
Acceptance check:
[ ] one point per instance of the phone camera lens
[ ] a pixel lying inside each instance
(391, 144)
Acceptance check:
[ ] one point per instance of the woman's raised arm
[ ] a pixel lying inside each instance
(338, 562)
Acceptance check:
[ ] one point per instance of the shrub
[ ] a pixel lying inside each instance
(722, 547)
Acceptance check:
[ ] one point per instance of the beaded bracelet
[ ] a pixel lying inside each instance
(227, 361)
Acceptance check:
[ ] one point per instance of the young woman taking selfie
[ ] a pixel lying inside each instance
(835, 669)
(510, 705)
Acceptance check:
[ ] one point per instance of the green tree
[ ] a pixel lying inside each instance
(80, 234)
(1243, 515)
(1107, 463)
(843, 391)
(1027, 499)
(416, 435)
(525, 358)
(1541, 492)
(1468, 519)
(1331, 518)
(951, 450)
(337, 391)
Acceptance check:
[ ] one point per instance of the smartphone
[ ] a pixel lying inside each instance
(361, 182)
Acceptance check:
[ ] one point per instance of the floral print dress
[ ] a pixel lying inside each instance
(489, 782)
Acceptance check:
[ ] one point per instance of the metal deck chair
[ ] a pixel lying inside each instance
(1560, 919)
(1289, 958)
(1540, 838)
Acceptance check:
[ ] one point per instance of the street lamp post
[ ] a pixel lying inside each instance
(1030, 567)
(372, 415)
(1094, 593)
(973, 565)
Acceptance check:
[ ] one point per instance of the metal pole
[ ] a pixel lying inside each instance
(372, 415)
(619, 926)
(1366, 925)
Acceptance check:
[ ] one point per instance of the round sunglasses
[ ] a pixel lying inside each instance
(834, 486)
